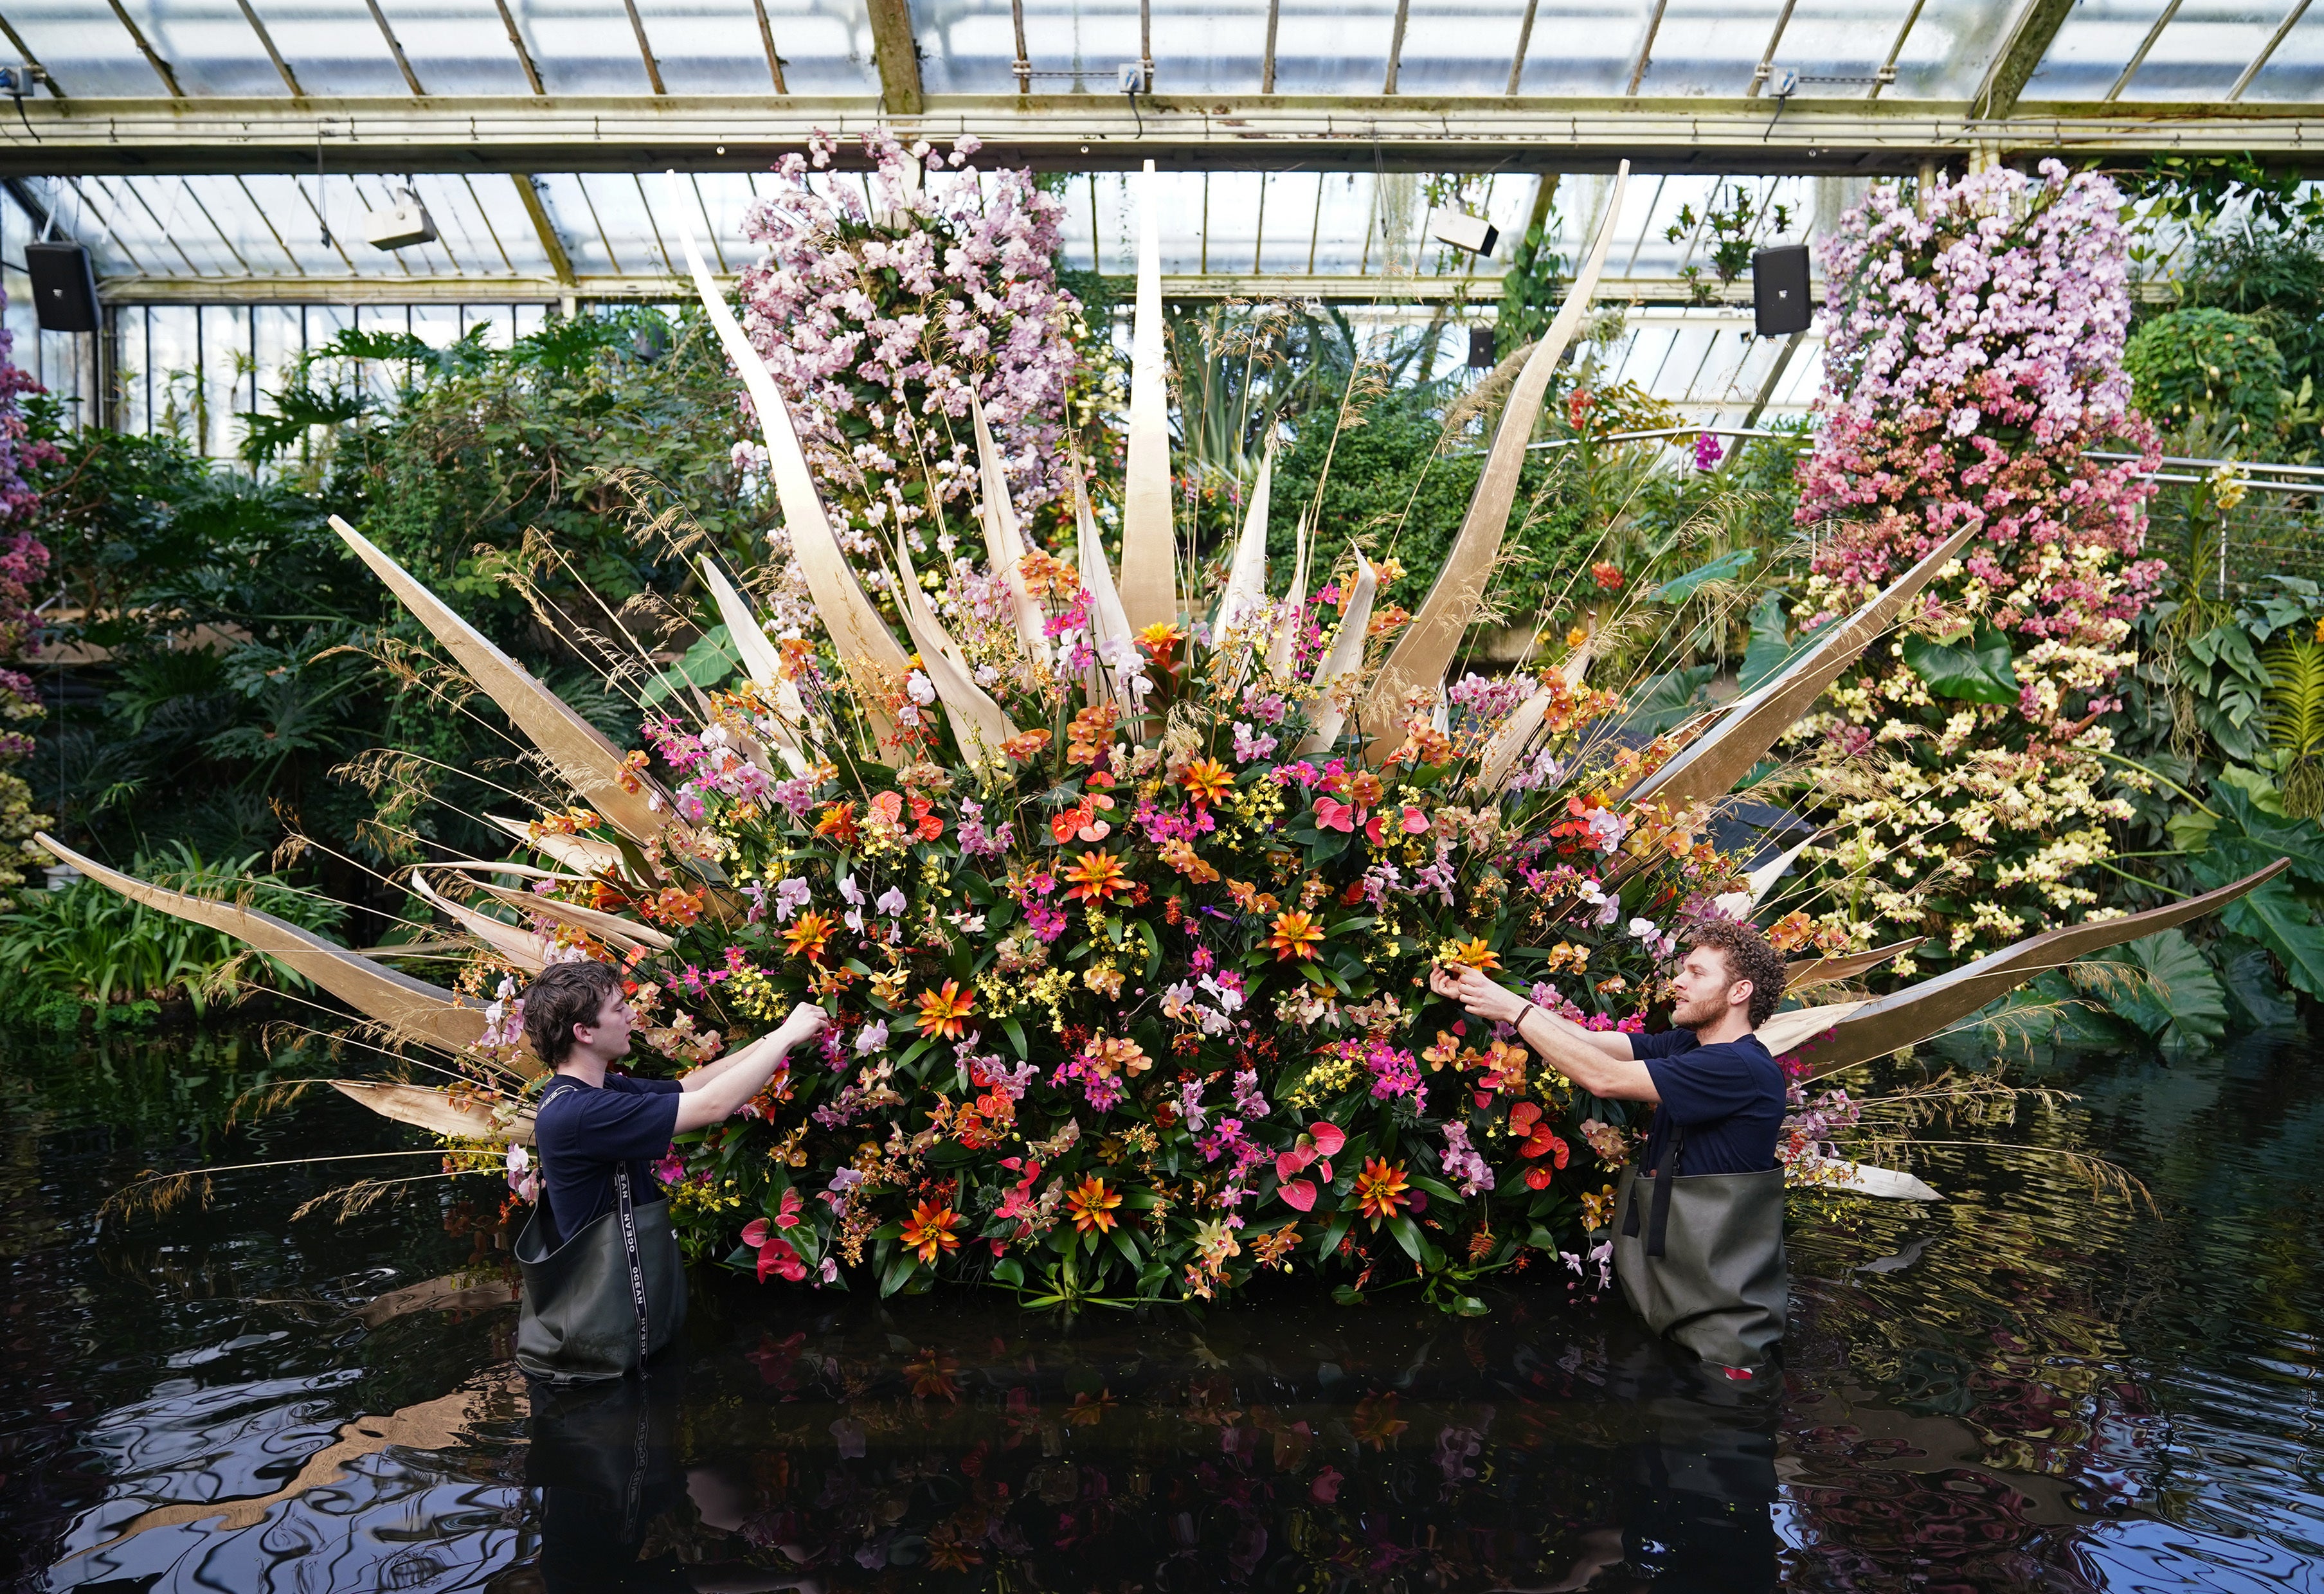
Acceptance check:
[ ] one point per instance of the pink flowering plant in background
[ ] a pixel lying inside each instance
(23, 561)
(1974, 357)
(882, 303)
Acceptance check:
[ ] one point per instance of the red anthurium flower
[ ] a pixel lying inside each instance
(777, 1256)
(1376, 829)
(1415, 823)
(1537, 1178)
(1297, 1193)
(754, 1234)
(1331, 813)
(788, 1215)
(1287, 1163)
(1329, 1137)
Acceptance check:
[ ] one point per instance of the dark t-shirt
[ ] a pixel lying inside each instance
(580, 1133)
(1728, 1098)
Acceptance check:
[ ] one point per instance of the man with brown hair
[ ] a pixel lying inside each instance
(599, 1250)
(1711, 1274)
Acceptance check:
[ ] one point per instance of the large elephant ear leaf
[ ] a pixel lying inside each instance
(2275, 917)
(2164, 985)
(1976, 670)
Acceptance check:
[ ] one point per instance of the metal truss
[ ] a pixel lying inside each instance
(1830, 136)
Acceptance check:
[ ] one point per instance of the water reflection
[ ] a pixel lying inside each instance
(2021, 1388)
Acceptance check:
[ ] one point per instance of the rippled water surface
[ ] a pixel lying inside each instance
(2026, 1386)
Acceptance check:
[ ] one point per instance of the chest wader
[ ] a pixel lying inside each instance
(598, 1302)
(1709, 1271)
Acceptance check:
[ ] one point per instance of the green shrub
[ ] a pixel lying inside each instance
(2205, 360)
(87, 946)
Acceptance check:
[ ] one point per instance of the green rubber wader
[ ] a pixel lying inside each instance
(1709, 1271)
(611, 1297)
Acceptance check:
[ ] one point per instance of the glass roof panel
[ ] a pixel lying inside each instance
(2208, 44)
(1952, 43)
(2096, 41)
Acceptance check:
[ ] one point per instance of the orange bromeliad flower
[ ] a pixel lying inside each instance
(1471, 954)
(1160, 642)
(1207, 780)
(806, 936)
(1380, 1189)
(1295, 936)
(929, 1231)
(1091, 1205)
(942, 1011)
(1096, 877)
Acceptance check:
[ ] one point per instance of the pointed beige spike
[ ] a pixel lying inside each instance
(435, 1111)
(867, 649)
(1345, 661)
(1421, 655)
(1509, 742)
(1857, 1178)
(576, 853)
(1246, 589)
(1811, 971)
(1785, 1031)
(1912, 1015)
(580, 752)
(521, 947)
(760, 660)
(978, 725)
(1764, 878)
(1710, 765)
(1004, 539)
(1287, 631)
(1107, 618)
(1150, 540)
(605, 927)
(407, 1006)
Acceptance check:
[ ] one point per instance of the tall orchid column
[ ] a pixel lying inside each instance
(1974, 356)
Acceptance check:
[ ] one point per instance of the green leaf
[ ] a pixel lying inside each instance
(1978, 669)
(1438, 1190)
(1770, 648)
(1470, 1307)
(1153, 949)
(2279, 921)
(1128, 1246)
(1347, 1294)
(1408, 1235)
(898, 1272)
(710, 661)
(2251, 980)
(1010, 1271)
(1725, 567)
(2166, 988)
(1333, 1235)
(1016, 1033)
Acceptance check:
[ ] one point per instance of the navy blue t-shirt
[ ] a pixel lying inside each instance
(580, 1134)
(1728, 1098)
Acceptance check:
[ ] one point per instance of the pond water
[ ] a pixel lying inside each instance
(2026, 1386)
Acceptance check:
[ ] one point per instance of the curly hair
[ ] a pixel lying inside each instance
(1748, 957)
(564, 994)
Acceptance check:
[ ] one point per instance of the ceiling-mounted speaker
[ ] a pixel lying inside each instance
(1480, 348)
(400, 225)
(64, 286)
(1780, 304)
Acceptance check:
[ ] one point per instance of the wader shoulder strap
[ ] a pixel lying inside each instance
(554, 1235)
(1658, 1221)
(637, 1272)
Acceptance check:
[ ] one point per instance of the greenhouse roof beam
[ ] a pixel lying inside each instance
(2138, 57)
(898, 56)
(1654, 295)
(24, 53)
(521, 133)
(1888, 72)
(394, 46)
(2290, 20)
(266, 43)
(161, 68)
(2014, 65)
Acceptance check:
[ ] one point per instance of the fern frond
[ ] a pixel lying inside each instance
(2295, 694)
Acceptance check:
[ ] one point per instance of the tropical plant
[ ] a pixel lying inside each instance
(2205, 361)
(101, 950)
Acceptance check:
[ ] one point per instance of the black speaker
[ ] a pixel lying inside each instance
(1480, 348)
(1779, 289)
(64, 286)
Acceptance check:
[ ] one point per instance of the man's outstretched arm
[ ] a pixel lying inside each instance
(1600, 1063)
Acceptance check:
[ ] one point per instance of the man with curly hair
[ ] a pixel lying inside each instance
(1719, 1098)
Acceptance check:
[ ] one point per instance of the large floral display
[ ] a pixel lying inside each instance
(1122, 901)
